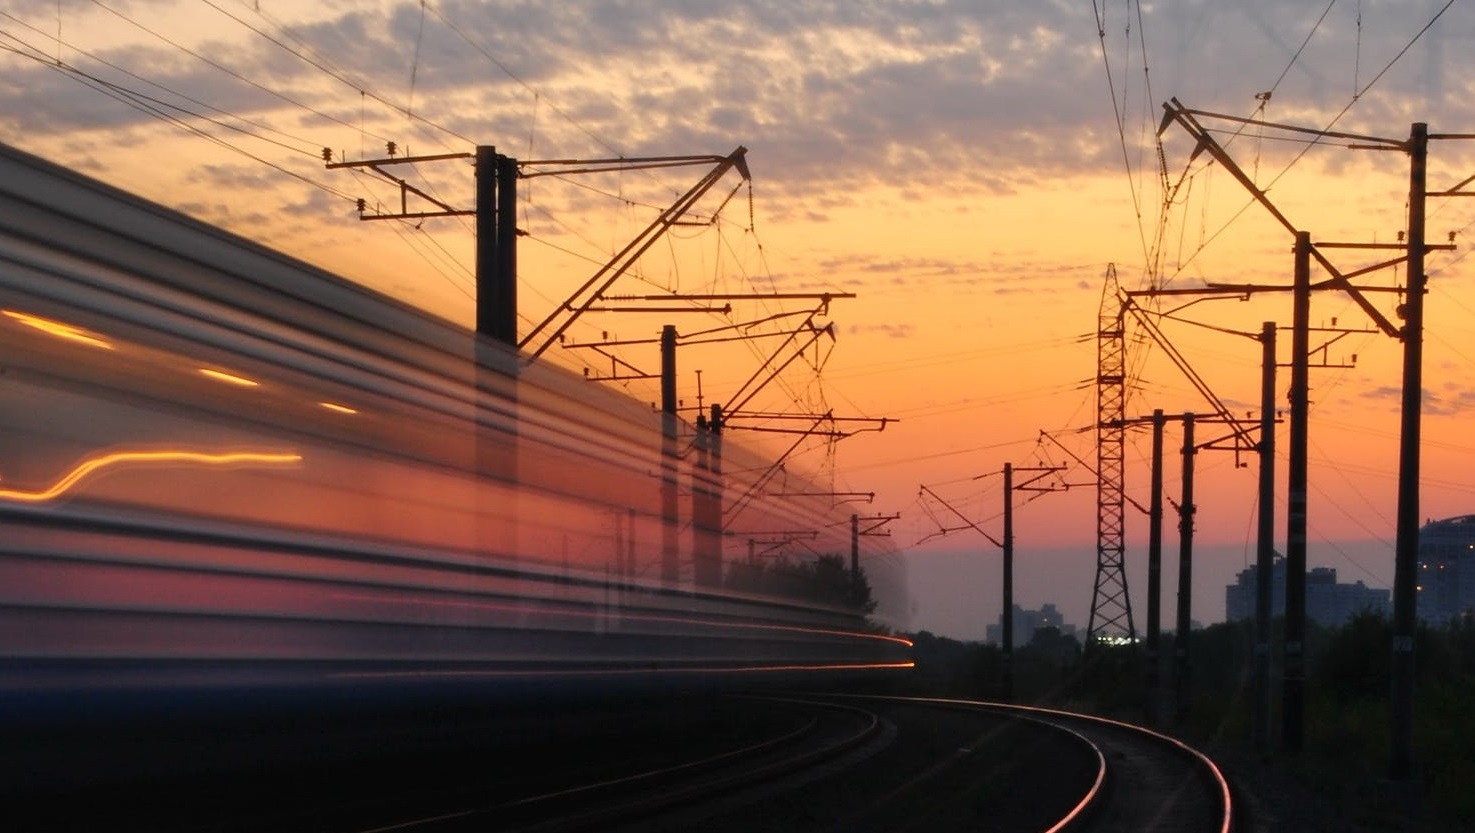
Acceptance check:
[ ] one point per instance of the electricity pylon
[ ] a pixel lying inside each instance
(1111, 604)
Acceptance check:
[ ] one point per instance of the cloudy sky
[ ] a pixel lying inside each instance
(967, 169)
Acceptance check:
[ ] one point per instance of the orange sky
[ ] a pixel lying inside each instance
(961, 170)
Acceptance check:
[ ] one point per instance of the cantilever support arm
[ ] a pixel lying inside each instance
(1174, 111)
(964, 518)
(758, 485)
(1242, 437)
(753, 385)
(593, 289)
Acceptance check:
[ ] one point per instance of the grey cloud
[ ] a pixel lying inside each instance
(888, 330)
(1006, 276)
(960, 94)
(1453, 401)
(233, 176)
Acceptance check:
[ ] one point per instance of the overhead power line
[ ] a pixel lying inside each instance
(324, 66)
(207, 60)
(161, 110)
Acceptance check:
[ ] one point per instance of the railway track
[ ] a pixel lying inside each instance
(962, 765)
(1148, 781)
(769, 763)
(1153, 782)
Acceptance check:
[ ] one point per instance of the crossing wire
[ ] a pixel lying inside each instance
(1316, 140)
(1294, 58)
(325, 66)
(160, 109)
(1119, 112)
(207, 60)
(173, 113)
(286, 40)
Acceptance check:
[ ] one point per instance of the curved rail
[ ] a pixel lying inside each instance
(1091, 802)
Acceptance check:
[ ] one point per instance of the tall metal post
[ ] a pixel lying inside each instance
(670, 540)
(1186, 510)
(706, 502)
(706, 559)
(1294, 680)
(496, 249)
(1265, 542)
(1406, 553)
(716, 485)
(496, 449)
(1155, 571)
(1007, 672)
(855, 556)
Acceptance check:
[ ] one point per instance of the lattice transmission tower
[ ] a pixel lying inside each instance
(1111, 606)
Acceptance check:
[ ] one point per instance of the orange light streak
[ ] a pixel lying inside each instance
(58, 329)
(114, 459)
(229, 378)
(342, 409)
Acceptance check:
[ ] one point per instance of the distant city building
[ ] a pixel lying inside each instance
(1026, 622)
(1446, 582)
(1327, 603)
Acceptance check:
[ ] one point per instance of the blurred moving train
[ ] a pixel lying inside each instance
(224, 470)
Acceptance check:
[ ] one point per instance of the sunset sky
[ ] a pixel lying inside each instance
(967, 170)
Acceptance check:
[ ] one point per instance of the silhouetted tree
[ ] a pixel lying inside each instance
(824, 580)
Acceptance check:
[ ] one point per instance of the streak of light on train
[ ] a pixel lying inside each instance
(121, 458)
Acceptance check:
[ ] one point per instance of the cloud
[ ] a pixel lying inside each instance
(922, 100)
(889, 330)
(1452, 400)
(991, 97)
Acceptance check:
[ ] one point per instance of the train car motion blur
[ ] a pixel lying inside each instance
(221, 468)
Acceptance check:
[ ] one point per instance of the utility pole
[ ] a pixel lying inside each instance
(1265, 543)
(1186, 511)
(496, 320)
(1406, 553)
(1155, 572)
(1293, 662)
(496, 249)
(1008, 623)
(670, 457)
